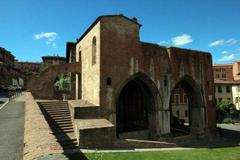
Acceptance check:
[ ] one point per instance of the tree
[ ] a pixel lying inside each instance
(63, 83)
(226, 106)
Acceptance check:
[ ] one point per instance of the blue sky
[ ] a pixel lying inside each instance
(33, 28)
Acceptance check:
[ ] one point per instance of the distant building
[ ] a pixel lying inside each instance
(8, 72)
(227, 82)
(6, 57)
(53, 60)
(223, 72)
(179, 104)
(29, 67)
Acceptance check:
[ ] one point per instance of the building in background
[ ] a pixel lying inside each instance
(52, 60)
(8, 72)
(179, 104)
(227, 82)
(29, 67)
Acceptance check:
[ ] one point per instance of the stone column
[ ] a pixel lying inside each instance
(76, 93)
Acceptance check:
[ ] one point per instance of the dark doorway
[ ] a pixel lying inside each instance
(133, 106)
(185, 108)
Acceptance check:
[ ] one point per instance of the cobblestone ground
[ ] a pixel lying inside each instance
(38, 139)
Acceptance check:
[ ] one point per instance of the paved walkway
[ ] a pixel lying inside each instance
(11, 130)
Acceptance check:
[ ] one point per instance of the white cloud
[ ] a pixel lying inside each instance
(49, 37)
(217, 43)
(181, 40)
(220, 42)
(162, 42)
(224, 52)
(231, 41)
(227, 58)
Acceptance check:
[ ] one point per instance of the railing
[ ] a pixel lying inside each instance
(14, 94)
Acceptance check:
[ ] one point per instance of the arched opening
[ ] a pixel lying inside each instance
(186, 108)
(64, 86)
(94, 50)
(135, 107)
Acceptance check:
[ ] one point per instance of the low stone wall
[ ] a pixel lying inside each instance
(81, 109)
(38, 140)
(91, 130)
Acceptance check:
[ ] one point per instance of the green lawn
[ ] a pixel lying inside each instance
(230, 153)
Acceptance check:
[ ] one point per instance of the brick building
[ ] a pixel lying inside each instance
(8, 73)
(179, 104)
(128, 83)
(29, 67)
(227, 82)
(53, 60)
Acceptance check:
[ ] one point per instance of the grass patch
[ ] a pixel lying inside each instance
(229, 153)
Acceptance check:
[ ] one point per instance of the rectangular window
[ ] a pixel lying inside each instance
(176, 98)
(223, 75)
(237, 89)
(219, 89)
(237, 99)
(228, 89)
(186, 113)
(181, 98)
(217, 76)
(229, 99)
(219, 100)
(185, 99)
(177, 113)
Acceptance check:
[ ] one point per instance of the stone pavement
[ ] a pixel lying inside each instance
(38, 139)
(12, 129)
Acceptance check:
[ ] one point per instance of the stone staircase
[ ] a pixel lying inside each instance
(58, 116)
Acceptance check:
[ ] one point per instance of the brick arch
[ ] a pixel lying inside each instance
(41, 85)
(196, 103)
(147, 85)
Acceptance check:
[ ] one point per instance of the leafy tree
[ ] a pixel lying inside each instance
(226, 106)
(63, 83)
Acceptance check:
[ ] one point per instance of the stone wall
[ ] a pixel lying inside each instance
(90, 79)
(42, 85)
(124, 57)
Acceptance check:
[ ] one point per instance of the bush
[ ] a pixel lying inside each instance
(226, 106)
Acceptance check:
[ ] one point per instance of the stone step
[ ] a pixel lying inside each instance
(56, 114)
(58, 118)
(54, 105)
(54, 102)
(68, 142)
(56, 109)
(61, 126)
(62, 131)
(65, 136)
(52, 122)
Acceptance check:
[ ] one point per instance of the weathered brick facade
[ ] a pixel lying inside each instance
(132, 81)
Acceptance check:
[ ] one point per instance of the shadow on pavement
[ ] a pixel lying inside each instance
(70, 148)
